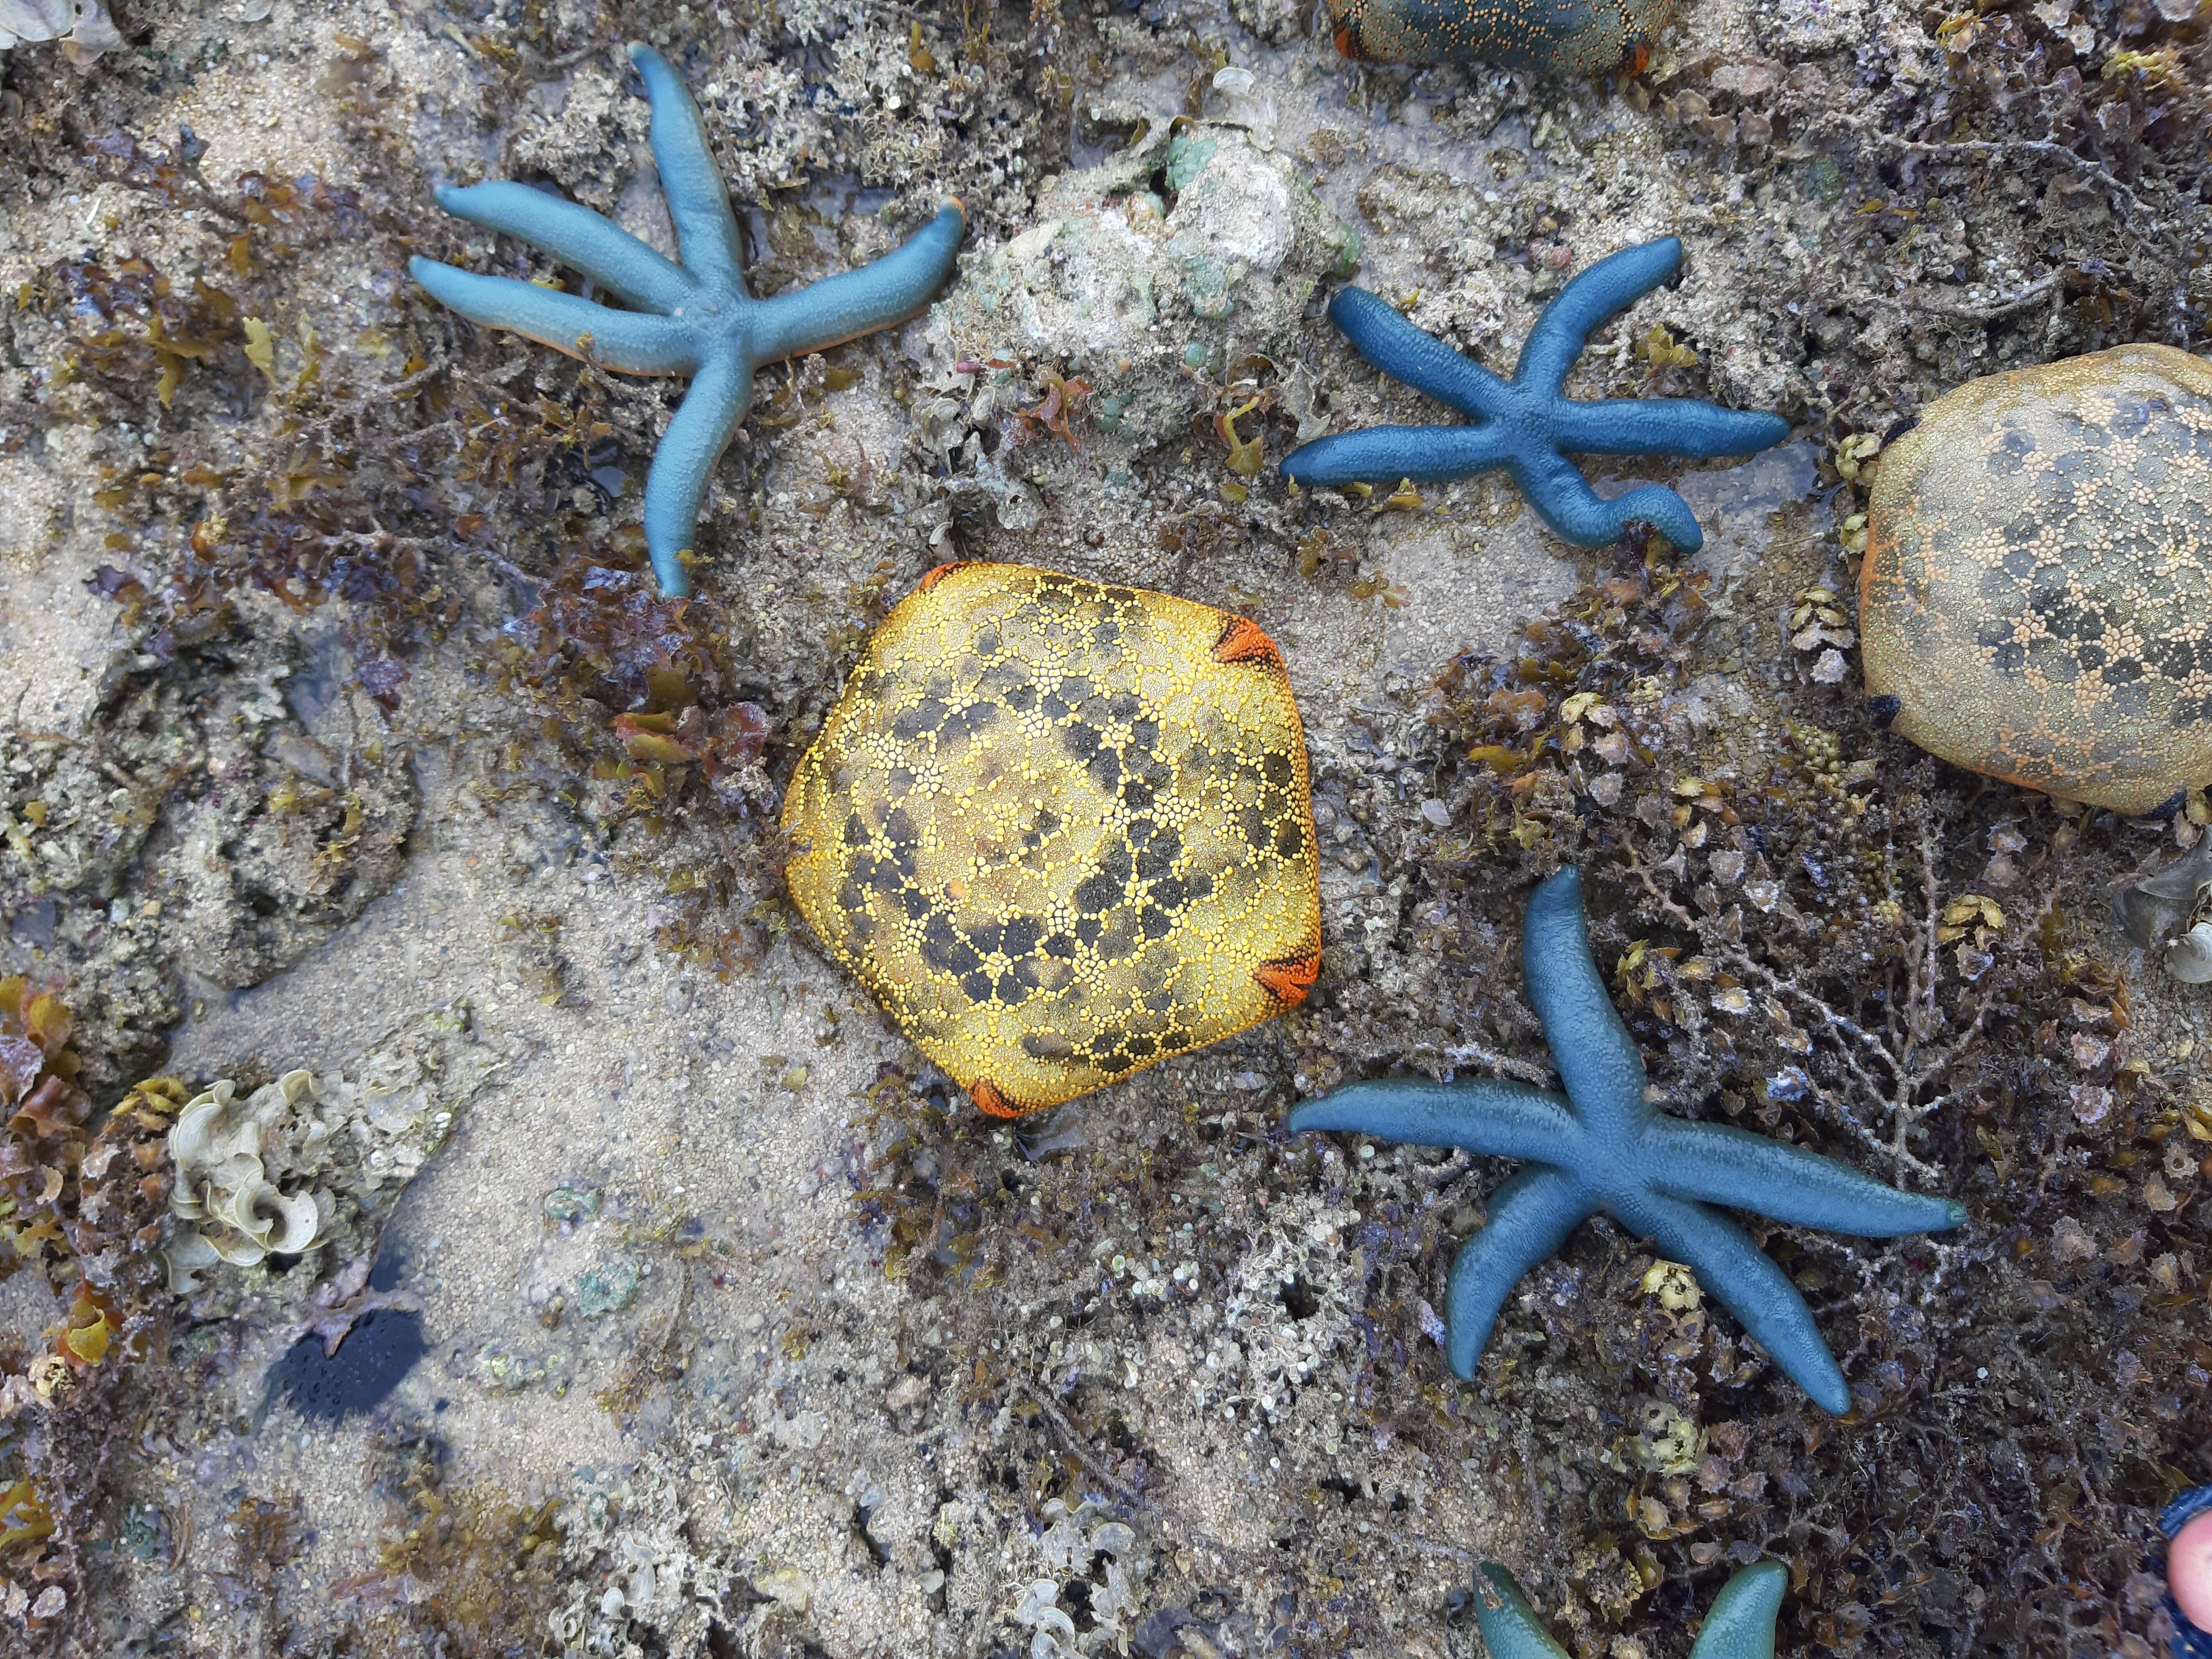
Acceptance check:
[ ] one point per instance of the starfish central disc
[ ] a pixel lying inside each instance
(1060, 830)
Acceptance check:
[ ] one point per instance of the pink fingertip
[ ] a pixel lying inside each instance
(2188, 1569)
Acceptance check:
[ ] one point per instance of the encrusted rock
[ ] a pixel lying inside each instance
(1137, 295)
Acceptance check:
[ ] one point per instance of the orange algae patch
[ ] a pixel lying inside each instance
(1060, 830)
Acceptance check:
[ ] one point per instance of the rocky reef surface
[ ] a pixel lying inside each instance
(347, 734)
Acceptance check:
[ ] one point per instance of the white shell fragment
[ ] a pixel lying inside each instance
(2189, 959)
(83, 27)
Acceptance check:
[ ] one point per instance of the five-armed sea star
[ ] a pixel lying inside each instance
(696, 319)
(1603, 1146)
(1740, 1626)
(1524, 424)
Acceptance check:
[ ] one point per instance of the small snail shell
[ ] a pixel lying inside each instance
(2189, 959)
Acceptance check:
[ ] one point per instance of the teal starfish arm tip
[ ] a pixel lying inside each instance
(1511, 1630)
(1528, 426)
(1742, 1623)
(695, 317)
(1600, 1145)
(1740, 1626)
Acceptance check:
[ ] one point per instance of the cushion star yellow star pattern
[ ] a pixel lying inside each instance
(2036, 601)
(1060, 830)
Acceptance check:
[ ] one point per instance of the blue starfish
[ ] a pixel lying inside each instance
(1524, 425)
(1740, 1626)
(1602, 1146)
(695, 318)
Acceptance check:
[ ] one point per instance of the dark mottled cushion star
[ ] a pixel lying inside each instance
(1527, 425)
(1603, 1146)
(1740, 1626)
(695, 318)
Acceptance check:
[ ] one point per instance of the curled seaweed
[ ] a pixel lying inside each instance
(309, 1161)
(240, 1215)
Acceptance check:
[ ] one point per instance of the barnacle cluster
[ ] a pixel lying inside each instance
(307, 1160)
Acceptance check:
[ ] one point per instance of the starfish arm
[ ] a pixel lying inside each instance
(579, 237)
(721, 393)
(1606, 289)
(856, 302)
(1530, 1217)
(1384, 454)
(1381, 334)
(1596, 1057)
(633, 342)
(1482, 1114)
(698, 202)
(1564, 499)
(1663, 426)
(1742, 1623)
(1511, 1630)
(1717, 1164)
(1760, 1294)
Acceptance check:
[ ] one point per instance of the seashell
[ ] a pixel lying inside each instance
(301, 1220)
(236, 1247)
(2189, 959)
(203, 1134)
(239, 1207)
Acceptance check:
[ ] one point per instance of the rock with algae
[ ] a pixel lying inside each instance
(1060, 830)
(313, 1162)
(2036, 601)
(1139, 278)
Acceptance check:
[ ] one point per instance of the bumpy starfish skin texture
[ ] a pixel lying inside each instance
(1525, 426)
(1602, 1146)
(2036, 601)
(1557, 37)
(1740, 1626)
(1060, 830)
(696, 319)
